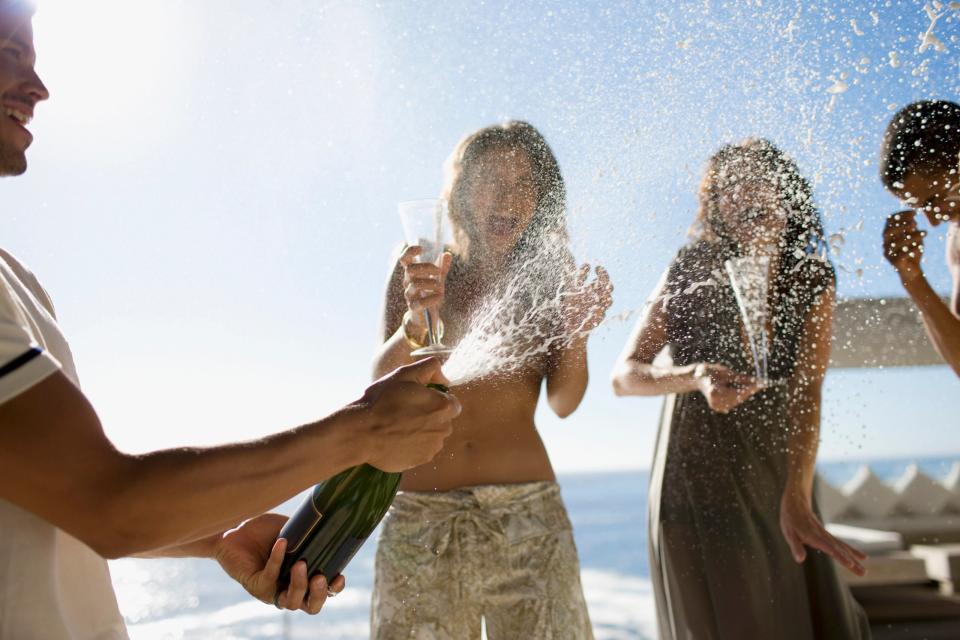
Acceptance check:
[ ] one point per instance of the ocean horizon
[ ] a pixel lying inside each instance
(193, 599)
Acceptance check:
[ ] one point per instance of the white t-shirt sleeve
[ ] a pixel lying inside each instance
(23, 361)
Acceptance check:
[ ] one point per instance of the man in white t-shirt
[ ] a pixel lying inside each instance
(69, 499)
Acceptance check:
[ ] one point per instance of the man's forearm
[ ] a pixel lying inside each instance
(942, 326)
(56, 462)
(173, 497)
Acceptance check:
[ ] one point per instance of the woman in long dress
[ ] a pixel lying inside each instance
(480, 534)
(737, 547)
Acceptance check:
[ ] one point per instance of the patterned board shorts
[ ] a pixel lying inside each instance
(504, 553)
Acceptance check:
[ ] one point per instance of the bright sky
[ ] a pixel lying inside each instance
(212, 193)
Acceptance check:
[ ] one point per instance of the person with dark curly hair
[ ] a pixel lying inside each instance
(919, 165)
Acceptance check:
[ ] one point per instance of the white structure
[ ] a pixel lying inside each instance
(880, 332)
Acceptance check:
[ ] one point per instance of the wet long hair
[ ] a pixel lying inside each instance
(804, 270)
(549, 221)
(540, 264)
(542, 253)
(758, 159)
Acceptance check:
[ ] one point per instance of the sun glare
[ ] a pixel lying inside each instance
(107, 62)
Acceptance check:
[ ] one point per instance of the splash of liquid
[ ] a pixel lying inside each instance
(749, 277)
(518, 323)
(929, 39)
(838, 86)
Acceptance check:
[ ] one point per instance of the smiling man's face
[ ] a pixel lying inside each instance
(20, 87)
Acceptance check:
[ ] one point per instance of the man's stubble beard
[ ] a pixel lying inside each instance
(12, 161)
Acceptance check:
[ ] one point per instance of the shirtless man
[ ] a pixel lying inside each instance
(68, 498)
(919, 165)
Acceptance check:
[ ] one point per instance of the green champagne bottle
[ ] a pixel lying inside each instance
(338, 516)
(335, 520)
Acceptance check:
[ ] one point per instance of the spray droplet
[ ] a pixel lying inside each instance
(838, 86)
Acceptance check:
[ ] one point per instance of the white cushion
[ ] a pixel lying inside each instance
(920, 494)
(870, 541)
(832, 503)
(952, 484)
(869, 495)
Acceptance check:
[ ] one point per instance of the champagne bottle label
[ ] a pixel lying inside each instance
(336, 518)
(299, 528)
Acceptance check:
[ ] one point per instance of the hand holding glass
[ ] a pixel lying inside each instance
(423, 227)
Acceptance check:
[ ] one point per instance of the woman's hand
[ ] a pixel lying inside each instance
(801, 528)
(903, 244)
(585, 304)
(423, 285)
(252, 555)
(724, 388)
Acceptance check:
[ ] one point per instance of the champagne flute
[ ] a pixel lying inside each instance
(748, 277)
(423, 226)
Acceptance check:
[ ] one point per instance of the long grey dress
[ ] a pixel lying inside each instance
(720, 566)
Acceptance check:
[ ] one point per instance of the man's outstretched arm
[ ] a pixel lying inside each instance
(252, 555)
(56, 462)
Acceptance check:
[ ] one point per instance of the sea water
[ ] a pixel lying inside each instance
(193, 599)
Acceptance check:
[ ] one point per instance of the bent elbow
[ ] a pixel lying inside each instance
(117, 535)
(110, 539)
(564, 412)
(951, 355)
(617, 384)
(122, 522)
(618, 380)
(563, 406)
(111, 549)
(955, 365)
(127, 538)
